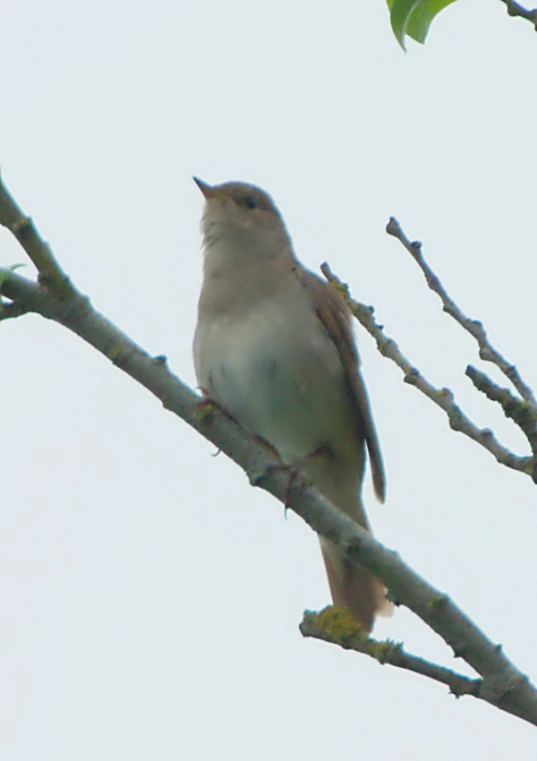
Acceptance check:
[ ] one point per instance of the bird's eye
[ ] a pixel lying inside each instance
(250, 202)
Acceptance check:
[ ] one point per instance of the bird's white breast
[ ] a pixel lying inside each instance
(277, 372)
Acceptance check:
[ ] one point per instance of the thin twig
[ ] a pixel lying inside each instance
(335, 625)
(522, 413)
(442, 397)
(515, 9)
(486, 351)
(50, 273)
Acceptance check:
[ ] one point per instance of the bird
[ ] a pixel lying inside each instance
(274, 347)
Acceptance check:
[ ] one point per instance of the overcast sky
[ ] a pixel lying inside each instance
(149, 598)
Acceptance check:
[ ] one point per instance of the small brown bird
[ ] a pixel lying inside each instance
(274, 346)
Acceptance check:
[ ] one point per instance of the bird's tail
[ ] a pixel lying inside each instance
(350, 584)
(354, 587)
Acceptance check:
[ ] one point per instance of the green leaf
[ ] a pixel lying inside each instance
(400, 12)
(413, 18)
(423, 16)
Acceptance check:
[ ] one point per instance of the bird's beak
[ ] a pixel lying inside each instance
(209, 191)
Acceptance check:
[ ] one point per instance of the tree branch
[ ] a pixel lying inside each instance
(335, 625)
(49, 271)
(515, 9)
(502, 684)
(9, 310)
(522, 413)
(486, 351)
(442, 397)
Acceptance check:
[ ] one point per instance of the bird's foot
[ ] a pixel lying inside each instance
(295, 471)
(207, 404)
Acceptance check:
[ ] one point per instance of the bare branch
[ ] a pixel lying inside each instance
(515, 9)
(522, 413)
(336, 626)
(442, 397)
(10, 310)
(486, 351)
(22, 227)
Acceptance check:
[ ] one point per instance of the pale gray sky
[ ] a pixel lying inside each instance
(149, 597)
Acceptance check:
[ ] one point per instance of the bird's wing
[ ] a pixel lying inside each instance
(336, 319)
